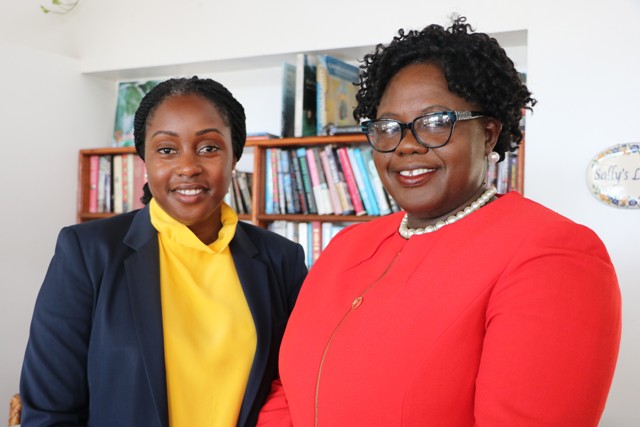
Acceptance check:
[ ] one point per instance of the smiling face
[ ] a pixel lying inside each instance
(431, 184)
(189, 160)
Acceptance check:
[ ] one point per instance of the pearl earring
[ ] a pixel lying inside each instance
(493, 157)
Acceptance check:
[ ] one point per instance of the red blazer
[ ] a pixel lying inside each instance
(508, 317)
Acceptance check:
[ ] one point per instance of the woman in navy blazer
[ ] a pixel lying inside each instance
(95, 355)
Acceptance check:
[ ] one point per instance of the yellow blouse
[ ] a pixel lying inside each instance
(209, 335)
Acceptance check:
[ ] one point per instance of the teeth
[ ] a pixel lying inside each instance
(415, 172)
(190, 192)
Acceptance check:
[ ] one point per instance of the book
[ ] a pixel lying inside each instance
(268, 183)
(287, 185)
(128, 173)
(288, 100)
(316, 240)
(104, 184)
(139, 180)
(244, 179)
(301, 153)
(349, 177)
(362, 178)
(335, 173)
(319, 183)
(281, 207)
(336, 93)
(94, 165)
(275, 182)
(303, 240)
(334, 198)
(376, 183)
(237, 195)
(300, 199)
(305, 102)
(129, 96)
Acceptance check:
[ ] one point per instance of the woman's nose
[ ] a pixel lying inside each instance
(410, 145)
(189, 164)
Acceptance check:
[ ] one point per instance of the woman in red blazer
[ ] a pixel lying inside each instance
(97, 351)
(469, 308)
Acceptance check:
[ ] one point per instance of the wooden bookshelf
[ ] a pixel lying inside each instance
(258, 215)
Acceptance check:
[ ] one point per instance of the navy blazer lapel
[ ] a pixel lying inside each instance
(143, 279)
(253, 275)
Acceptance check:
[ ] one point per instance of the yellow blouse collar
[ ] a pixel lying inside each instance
(179, 233)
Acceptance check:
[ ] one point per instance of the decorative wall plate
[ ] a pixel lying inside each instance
(613, 176)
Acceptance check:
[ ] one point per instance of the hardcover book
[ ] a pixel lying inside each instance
(94, 165)
(288, 100)
(301, 153)
(336, 93)
(305, 104)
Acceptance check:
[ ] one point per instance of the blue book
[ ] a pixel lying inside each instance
(364, 184)
(306, 180)
(376, 183)
(287, 184)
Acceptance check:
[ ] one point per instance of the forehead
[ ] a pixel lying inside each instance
(419, 88)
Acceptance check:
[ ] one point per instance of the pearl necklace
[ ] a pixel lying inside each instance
(480, 202)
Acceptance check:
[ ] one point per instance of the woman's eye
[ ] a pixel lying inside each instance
(165, 150)
(209, 148)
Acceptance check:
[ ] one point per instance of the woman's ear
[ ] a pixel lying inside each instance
(492, 129)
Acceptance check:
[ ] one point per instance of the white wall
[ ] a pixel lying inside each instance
(582, 66)
(48, 110)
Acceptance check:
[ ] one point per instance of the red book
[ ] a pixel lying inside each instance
(352, 185)
(94, 167)
(139, 179)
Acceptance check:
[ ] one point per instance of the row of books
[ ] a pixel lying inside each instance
(312, 236)
(506, 175)
(318, 96)
(240, 191)
(115, 183)
(324, 180)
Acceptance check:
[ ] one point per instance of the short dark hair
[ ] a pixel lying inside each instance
(229, 108)
(475, 66)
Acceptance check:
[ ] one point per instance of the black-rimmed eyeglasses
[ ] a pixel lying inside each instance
(432, 130)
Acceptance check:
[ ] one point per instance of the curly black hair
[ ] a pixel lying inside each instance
(231, 111)
(474, 65)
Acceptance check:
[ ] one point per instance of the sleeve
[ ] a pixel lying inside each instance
(53, 383)
(552, 333)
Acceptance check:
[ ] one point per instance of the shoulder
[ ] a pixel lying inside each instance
(540, 226)
(98, 232)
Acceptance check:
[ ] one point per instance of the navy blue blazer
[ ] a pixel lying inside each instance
(95, 355)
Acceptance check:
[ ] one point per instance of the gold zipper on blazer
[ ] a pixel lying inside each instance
(357, 302)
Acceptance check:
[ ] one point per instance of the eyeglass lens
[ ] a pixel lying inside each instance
(432, 130)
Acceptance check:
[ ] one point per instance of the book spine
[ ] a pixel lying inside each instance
(94, 170)
(376, 183)
(243, 183)
(341, 184)
(237, 195)
(129, 165)
(301, 198)
(268, 186)
(321, 94)
(288, 100)
(139, 180)
(303, 240)
(324, 185)
(336, 206)
(316, 240)
(352, 185)
(275, 182)
(318, 189)
(301, 153)
(368, 198)
(287, 184)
